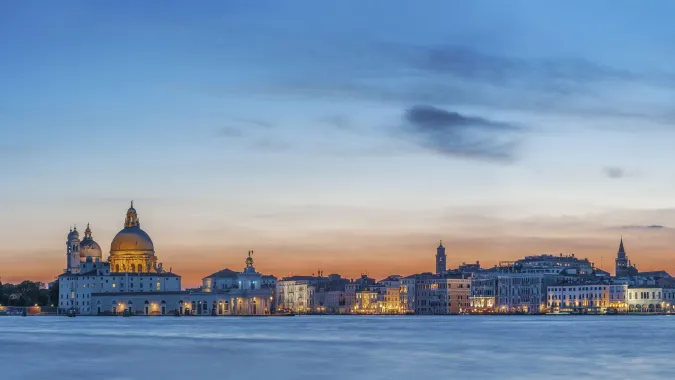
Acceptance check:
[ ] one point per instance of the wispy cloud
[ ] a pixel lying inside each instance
(241, 127)
(453, 134)
(613, 172)
(643, 227)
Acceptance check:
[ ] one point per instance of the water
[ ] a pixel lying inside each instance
(334, 347)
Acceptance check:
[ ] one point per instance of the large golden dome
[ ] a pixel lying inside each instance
(132, 250)
(132, 239)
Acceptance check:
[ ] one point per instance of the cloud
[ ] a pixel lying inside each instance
(241, 127)
(559, 75)
(644, 227)
(229, 132)
(614, 172)
(338, 121)
(450, 133)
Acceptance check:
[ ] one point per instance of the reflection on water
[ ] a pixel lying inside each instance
(333, 347)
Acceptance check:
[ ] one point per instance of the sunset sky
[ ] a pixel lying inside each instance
(345, 136)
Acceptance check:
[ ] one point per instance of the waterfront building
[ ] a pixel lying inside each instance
(392, 294)
(447, 294)
(407, 293)
(648, 299)
(392, 300)
(591, 297)
(228, 279)
(296, 294)
(521, 292)
(483, 296)
(368, 301)
(247, 296)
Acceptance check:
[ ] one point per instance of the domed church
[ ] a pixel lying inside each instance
(80, 251)
(132, 250)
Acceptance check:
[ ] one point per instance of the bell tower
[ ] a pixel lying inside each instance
(440, 259)
(73, 251)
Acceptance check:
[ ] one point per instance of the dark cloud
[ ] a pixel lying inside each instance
(644, 227)
(453, 134)
(614, 172)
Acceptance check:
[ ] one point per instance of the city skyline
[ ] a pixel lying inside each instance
(338, 137)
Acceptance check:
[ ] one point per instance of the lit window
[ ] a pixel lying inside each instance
(113, 285)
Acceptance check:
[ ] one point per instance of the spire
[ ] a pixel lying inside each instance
(621, 250)
(132, 204)
(440, 244)
(87, 232)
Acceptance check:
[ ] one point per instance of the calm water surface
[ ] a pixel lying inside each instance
(333, 347)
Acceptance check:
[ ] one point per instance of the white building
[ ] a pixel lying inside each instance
(582, 297)
(296, 294)
(650, 299)
(248, 295)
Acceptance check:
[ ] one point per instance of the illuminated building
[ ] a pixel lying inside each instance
(86, 274)
(648, 299)
(589, 297)
(247, 295)
(296, 294)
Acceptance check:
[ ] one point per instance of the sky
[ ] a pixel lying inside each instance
(348, 137)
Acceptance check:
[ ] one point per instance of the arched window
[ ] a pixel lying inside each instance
(117, 268)
(140, 268)
(133, 267)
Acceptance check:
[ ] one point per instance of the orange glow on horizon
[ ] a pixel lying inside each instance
(194, 264)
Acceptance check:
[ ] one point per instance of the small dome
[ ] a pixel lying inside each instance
(89, 249)
(73, 234)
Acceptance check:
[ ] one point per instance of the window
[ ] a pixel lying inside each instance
(113, 285)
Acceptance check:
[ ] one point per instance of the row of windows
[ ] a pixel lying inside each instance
(583, 288)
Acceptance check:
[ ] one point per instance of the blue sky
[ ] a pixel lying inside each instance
(346, 135)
